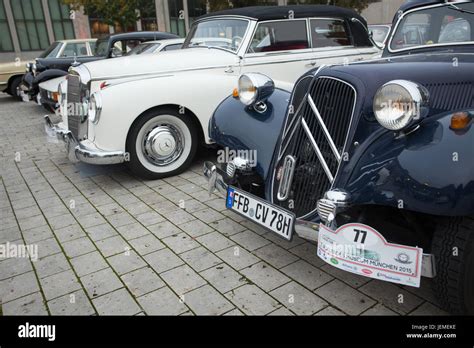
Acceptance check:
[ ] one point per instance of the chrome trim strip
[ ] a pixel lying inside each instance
(325, 130)
(317, 150)
(287, 178)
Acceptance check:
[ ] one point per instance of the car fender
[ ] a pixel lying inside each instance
(429, 170)
(197, 92)
(237, 127)
(48, 75)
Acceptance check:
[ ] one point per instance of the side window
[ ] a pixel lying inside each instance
(75, 49)
(329, 33)
(458, 30)
(173, 47)
(130, 45)
(280, 36)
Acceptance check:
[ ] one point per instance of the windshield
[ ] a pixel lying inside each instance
(444, 25)
(52, 51)
(143, 48)
(223, 33)
(101, 47)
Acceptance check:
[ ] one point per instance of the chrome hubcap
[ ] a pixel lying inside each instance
(162, 144)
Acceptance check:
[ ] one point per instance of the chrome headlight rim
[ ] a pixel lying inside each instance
(415, 98)
(95, 107)
(255, 88)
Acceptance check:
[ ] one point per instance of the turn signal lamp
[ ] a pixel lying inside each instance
(235, 93)
(460, 120)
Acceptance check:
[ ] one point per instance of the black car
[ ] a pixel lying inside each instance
(374, 160)
(115, 45)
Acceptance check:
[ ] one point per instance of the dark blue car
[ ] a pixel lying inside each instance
(373, 160)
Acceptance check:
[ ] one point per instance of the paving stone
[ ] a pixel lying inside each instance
(69, 233)
(101, 282)
(208, 215)
(162, 302)
(182, 279)
(61, 221)
(59, 284)
(120, 219)
(142, 281)
(283, 242)
(180, 243)
(349, 278)
(163, 260)
(31, 222)
(200, 259)
(50, 265)
(250, 240)
(29, 305)
(126, 262)
(308, 252)
(14, 266)
(392, 296)
(265, 276)
(252, 301)
(112, 246)
(344, 297)
(164, 229)
(379, 309)
(428, 309)
(238, 257)
(146, 244)
(227, 227)
(275, 255)
(215, 241)
(298, 299)
(224, 278)
(196, 228)
(37, 234)
(88, 263)
(217, 204)
(304, 273)
(119, 302)
(178, 217)
(150, 218)
(281, 312)
(75, 303)
(78, 247)
(330, 311)
(47, 247)
(207, 301)
(100, 232)
(234, 312)
(18, 286)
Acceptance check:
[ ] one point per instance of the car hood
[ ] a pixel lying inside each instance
(163, 62)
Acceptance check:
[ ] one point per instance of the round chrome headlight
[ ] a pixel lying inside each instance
(95, 107)
(255, 88)
(398, 103)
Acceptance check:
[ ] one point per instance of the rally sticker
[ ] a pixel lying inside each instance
(360, 249)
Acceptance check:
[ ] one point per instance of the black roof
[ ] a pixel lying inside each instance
(263, 13)
(153, 35)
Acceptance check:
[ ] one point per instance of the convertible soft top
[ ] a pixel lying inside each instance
(265, 13)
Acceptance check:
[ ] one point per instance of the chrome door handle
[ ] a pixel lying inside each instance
(313, 63)
(229, 70)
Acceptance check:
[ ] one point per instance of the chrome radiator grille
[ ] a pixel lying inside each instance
(315, 139)
(75, 117)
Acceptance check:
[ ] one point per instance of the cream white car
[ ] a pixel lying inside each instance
(152, 111)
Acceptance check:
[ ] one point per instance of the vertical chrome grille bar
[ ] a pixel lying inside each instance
(325, 130)
(318, 151)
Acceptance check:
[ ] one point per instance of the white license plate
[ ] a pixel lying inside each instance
(362, 250)
(259, 211)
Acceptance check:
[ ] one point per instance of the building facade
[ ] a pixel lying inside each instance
(27, 27)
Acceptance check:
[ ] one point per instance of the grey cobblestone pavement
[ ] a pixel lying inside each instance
(112, 244)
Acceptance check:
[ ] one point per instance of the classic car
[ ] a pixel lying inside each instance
(153, 112)
(49, 90)
(373, 160)
(71, 53)
(11, 74)
(156, 46)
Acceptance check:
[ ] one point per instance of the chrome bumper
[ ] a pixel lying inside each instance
(78, 152)
(305, 229)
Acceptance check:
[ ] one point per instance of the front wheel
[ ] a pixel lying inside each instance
(13, 89)
(161, 143)
(453, 248)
